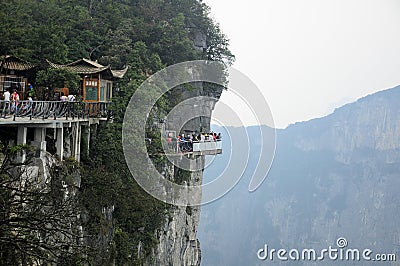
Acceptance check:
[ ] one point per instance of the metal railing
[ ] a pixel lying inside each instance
(55, 109)
(207, 146)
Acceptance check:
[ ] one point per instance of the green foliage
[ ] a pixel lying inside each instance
(107, 182)
(58, 78)
(217, 46)
(67, 30)
(13, 150)
(172, 41)
(181, 176)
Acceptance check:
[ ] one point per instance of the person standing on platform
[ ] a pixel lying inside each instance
(6, 107)
(31, 91)
(15, 101)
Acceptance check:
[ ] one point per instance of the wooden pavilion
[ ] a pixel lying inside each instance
(96, 79)
(15, 74)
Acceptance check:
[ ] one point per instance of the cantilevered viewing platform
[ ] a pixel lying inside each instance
(193, 144)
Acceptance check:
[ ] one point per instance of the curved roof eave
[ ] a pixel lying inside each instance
(88, 67)
(15, 63)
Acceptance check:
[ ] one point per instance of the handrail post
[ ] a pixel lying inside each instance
(67, 113)
(83, 110)
(73, 110)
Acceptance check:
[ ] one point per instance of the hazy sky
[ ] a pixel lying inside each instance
(310, 56)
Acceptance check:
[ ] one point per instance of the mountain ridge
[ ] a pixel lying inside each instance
(335, 176)
(394, 91)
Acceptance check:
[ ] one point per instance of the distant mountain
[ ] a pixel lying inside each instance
(332, 177)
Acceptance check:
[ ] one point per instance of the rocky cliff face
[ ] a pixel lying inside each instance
(177, 239)
(332, 177)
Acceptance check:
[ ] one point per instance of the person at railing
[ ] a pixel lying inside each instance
(181, 140)
(190, 142)
(207, 137)
(31, 91)
(184, 144)
(71, 98)
(175, 144)
(63, 98)
(15, 101)
(169, 142)
(26, 107)
(6, 107)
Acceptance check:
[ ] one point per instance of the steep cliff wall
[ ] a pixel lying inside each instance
(177, 239)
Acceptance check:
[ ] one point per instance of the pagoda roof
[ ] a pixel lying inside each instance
(15, 63)
(119, 73)
(85, 62)
(86, 67)
(82, 66)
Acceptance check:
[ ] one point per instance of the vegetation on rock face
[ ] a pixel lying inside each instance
(147, 36)
(59, 78)
(38, 216)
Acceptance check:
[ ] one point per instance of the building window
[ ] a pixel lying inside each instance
(91, 91)
(109, 91)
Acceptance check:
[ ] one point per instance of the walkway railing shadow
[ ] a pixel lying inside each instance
(55, 109)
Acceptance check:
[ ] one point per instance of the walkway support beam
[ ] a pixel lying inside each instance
(40, 140)
(21, 140)
(60, 142)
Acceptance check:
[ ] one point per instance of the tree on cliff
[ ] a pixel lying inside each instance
(38, 219)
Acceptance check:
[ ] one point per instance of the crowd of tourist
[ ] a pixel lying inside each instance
(184, 142)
